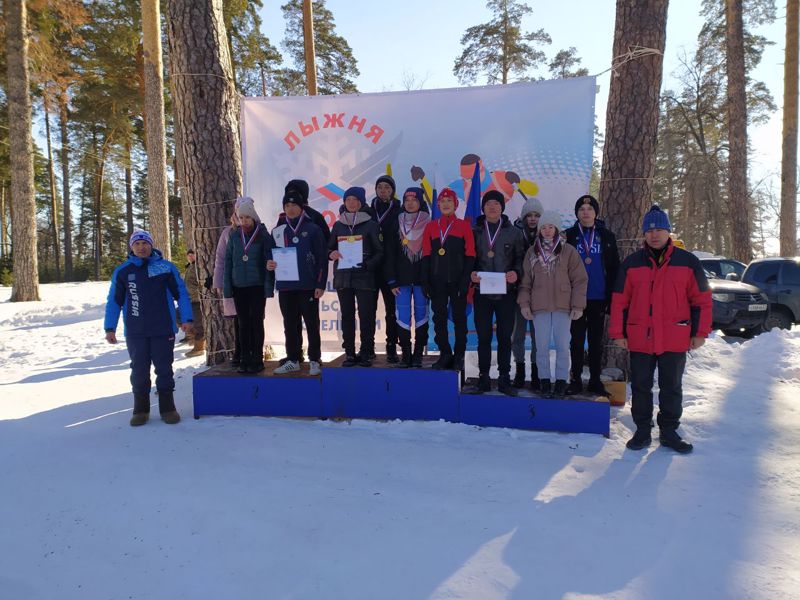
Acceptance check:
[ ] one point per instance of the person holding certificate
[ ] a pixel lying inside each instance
(553, 294)
(448, 253)
(300, 263)
(499, 250)
(246, 281)
(403, 268)
(357, 252)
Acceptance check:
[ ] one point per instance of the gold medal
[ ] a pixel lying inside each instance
(490, 254)
(351, 238)
(405, 241)
(441, 252)
(587, 260)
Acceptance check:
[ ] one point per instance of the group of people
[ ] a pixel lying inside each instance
(524, 276)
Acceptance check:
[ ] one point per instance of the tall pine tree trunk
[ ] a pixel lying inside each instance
(53, 193)
(740, 213)
(629, 152)
(98, 213)
(63, 118)
(207, 133)
(155, 130)
(626, 184)
(23, 202)
(788, 234)
(128, 189)
(3, 240)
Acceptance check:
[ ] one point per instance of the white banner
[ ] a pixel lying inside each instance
(529, 139)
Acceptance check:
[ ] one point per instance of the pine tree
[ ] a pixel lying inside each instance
(23, 202)
(499, 49)
(255, 59)
(788, 229)
(564, 64)
(336, 66)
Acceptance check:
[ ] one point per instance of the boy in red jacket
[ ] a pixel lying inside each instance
(448, 255)
(660, 308)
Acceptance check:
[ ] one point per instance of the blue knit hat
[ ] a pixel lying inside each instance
(655, 219)
(140, 235)
(419, 195)
(358, 192)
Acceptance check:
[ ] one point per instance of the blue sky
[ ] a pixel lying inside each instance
(422, 38)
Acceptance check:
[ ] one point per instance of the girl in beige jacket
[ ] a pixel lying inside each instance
(552, 293)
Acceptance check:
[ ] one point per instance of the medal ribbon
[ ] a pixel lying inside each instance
(252, 237)
(443, 236)
(385, 214)
(403, 224)
(299, 223)
(489, 238)
(586, 247)
(353, 226)
(547, 256)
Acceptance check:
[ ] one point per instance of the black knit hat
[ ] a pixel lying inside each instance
(301, 186)
(294, 196)
(587, 199)
(386, 179)
(493, 195)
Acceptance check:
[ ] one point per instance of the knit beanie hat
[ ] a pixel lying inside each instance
(246, 207)
(140, 235)
(419, 195)
(448, 193)
(493, 195)
(294, 196)
(587, 199)
(386, 179)
(358, 192)
(655, 219)
(299, 185)
(532, 205)
(550, 217)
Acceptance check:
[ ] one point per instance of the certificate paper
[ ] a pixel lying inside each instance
(492, 283)
(287, 264)
(352, 251)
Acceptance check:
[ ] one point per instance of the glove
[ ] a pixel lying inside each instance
(575, 314)
(526, 312)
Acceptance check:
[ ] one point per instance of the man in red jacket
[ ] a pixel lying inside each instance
(660, 308)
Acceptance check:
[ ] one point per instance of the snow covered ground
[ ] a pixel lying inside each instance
(293, 509)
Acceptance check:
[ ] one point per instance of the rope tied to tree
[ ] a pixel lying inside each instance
(633, 53)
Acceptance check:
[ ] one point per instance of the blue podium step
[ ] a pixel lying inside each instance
(386, 392)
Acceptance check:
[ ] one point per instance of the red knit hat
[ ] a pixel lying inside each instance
(448, 193)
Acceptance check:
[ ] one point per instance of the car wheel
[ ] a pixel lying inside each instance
(779, 318)
(746, 334)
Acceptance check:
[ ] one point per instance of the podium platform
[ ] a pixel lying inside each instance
(387, 392)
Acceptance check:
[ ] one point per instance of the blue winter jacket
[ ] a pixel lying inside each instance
(144, 290)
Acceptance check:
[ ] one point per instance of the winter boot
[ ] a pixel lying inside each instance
(545, 388)
(198, 350)
(405, 347)
(458, 363)
(640, 440)
(405, 359)
(504, 385)
(444, 362)
(166, 406)
(365, 358)
(671, 439)
(575, 387)
(391, 354)
(420, 342)
(534, 377)
(596, 386)
(519, 375)
(256, 366)
(350, 360)
(560, 388)
(484, 383)
(141, 409)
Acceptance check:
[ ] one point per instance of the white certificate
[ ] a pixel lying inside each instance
(287, 264)
(492, 283)
(351, 248)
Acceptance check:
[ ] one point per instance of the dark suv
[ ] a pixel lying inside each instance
(721, 267)
(779, 278)
(739, 309)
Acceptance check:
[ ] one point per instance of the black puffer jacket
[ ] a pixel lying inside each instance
(363, 277)
(509, 250)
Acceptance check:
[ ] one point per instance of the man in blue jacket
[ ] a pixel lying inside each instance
(144, 289)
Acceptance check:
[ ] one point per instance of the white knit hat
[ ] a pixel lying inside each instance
(550, 217)
(246, 207)
(532, 205)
